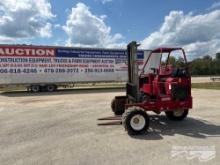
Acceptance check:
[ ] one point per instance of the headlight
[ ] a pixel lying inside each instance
(169, 86)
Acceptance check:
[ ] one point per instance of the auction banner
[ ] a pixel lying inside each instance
(46, 60)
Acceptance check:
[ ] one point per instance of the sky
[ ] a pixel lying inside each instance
(191, 24)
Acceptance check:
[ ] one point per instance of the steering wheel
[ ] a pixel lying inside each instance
(179, 72)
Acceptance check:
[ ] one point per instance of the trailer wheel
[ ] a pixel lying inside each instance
(177, 115)
(35, 88)
(135, 121)
(51, 88)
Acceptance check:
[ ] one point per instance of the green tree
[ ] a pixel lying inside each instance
(207, 57)
(217, 56)
(172, 61)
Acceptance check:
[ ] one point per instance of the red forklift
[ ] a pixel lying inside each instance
(160, 86)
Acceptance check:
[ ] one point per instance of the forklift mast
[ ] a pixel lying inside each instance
(133, 76)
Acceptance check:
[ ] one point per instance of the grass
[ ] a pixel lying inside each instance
(76, 86)
(101, 85)
(13, 88)
(207, 85)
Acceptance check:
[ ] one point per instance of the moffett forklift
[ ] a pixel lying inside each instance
(159, 87)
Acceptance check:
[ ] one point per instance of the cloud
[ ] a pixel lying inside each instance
(25, 19)
(5, 39)
(57, 26)
(106, 1)
(198, 34)
(86, 29)
(214, 6)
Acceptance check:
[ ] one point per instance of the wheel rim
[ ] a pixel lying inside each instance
(50, 88)
(35, 89)
(137, 122)
(178, 112)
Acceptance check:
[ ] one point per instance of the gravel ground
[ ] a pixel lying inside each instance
(61, 128)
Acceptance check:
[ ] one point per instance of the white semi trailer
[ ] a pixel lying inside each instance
(45, 68)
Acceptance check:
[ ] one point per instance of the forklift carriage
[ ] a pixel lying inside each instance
(159, 87)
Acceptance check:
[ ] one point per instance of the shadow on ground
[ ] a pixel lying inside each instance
(160, 126)
(63, 92)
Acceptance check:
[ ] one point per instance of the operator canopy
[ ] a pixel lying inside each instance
(155, 57)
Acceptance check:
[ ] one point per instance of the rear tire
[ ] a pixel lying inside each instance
(35, 88)
(135, 121)
(177, 115)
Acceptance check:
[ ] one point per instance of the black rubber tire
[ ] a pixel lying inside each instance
(51, 88)
(35, 88)
(126, 120)
(117, 107)
(119, 110)
(170, 115)
(113, 105)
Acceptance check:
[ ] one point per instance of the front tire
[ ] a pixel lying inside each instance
(113, 105)
(177, 115)
(135, 121)
(118, 106)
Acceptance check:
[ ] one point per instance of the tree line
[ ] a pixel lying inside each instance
(200, 66)
(206, 65)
